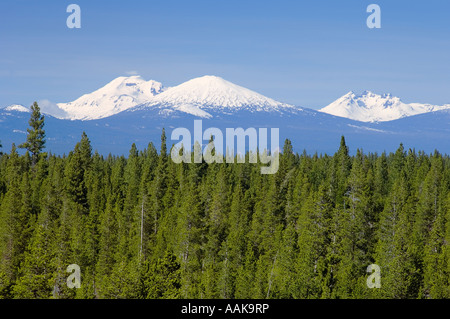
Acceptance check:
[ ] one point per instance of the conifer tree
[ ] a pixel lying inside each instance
(190, 239)
(36, 134)
(162, 279)
(436, 264)
(393, 252)
(144, 226)
(15, 223)
(342, 166)
(37, 270)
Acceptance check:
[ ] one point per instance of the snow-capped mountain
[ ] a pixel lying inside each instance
(209, 94)
(371, 107)
(199, 97)
(131, 110)
(119, 95)
(16, 108)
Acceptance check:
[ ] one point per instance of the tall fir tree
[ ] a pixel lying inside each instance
(35, 134)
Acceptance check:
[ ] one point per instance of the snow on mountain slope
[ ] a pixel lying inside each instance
(206, 94)
(120, 94)
(210, 96)
(371, 107)
(17, 108)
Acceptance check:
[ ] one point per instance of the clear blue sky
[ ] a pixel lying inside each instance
(306, 53)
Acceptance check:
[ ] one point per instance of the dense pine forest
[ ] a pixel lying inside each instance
(142, 226)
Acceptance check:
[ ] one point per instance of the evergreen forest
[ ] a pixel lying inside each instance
(141, 226)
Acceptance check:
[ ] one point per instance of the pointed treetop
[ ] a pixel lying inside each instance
(163, 151)
(343, 148)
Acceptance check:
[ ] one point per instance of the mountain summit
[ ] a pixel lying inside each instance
(203, 95)
(371, 107)
(197, 97)
(16, 108)
(119, 95)
(214, 92)
(210, 96)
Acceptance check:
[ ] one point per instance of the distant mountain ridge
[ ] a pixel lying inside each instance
(131, 110)
(198, 97)
(371, 107)
(209, 96)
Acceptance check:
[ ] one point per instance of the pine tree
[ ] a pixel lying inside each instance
(37, 270)
(353, 235)
(79, 162)
(393, 250)
(157, 190)
(190, 238)
(342, 166)
(108, 244)
(313, 227)
(15, 223)
(436, 274)
(36, 134)
(162, 279)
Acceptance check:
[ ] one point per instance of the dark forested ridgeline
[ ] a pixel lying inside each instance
(145, 227)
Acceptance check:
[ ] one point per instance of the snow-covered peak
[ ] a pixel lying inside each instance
(17, 108)
(372, 107)
(134, 85)
(120, 94)
(209, 93)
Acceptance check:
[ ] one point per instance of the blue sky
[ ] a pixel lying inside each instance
(307, 53)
